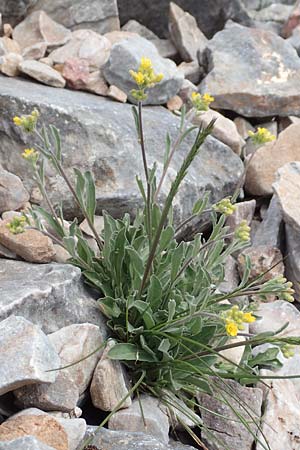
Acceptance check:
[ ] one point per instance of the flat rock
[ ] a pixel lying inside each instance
(244, 211)
(26, 355)
(35, 51)
(269, 231)
(42, 72)
(78, 116)
(274, 316)
(13, 194)
(9, 64)
(260, 85)
(8, 45)
(76, 73)
(261, 173)
(50, 295)
(24, 443)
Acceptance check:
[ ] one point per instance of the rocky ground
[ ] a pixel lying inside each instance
(246, 55)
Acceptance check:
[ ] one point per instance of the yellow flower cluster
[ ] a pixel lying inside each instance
(288, 350)
(261, 136)
(201, 102)
(242, 232)
(17, 225)
(225, 207)
(287, 295)
(30, 154)
(144, 78)
(28, 122)
(235, 319)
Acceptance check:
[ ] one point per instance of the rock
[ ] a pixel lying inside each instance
(7, 45)
(292, 262)
(86, 45)
(224, 129)
(269, 158)
(31, 245)
(26, 355)
(243, 126)
(5, 253)
(39, 28)
(76, 14)
(7, 30)
(186, 91)
(127, 55)
(274, 13)
(45, 428)
(191, 71)
(258, 86)
(263, 259)
(117, 36)
(42, 72)
(78, 116)
(61, 255)
(292, 22)
(13, 194)
(294, 39)
(184, 32)
(15, 10)
(231, 276)
(287, 189)
(109, 384)
(98, 224)
(117, 94)
(175, 103)
(96, 84)
(269, 230)
(76, 73)
(24, 443)
(229, 431)
(49, 295)
(9, 64)
(35, 51)
(244, 211)
(180, 415)
(274, 316)
(130, 419)
(73, 343)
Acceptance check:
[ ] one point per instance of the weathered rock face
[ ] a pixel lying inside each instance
(22, 443)
(100, 135)
(42, 72)
(13, 11)
(13, 195)
(266, 72)
(49, 295)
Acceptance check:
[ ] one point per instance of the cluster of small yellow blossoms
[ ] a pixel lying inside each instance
(242, 232)
(17, 225)
(288, 293)
(28, 122)
(225, 207)
(201, 102)
(144, 78)
(288, 350)
(261, 136)
(30, 154)
(235, 319)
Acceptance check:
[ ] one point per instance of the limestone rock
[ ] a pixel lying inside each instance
(243, 126)
(273, 13)
(42, 72)
(292, 262)
(127, 55)
(35, 51)
(49, 295)
(9, 64)
(259, 86)
(274, 316)
(294, 39)
(117, 94)
(269, 230)
(26, 355)
(130, 419)
(269, 158)
(8, 45)
(24, 443)
(13, 195)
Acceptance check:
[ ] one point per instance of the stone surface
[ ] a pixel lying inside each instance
(96, 84)
(269, 230)
(73, 343)
(98, 224)
(263, 258)
(228, 430)
(45, 428)
(7, 45)
(274, 316)
(127, 54)
(38, 28)
(13, 11)
(42, 72)
(13, 195)
(31, 245)
(273, 13)
(292, 262)
(191, 71)
(292, 22)
(109, 384)
(244, 211)
(184, 32)
(49, 295)
(231, 276)
(104, 131)
(262, 169)
(26, 355)
(175, 103)
(35, 51)
(117, 94)
(294, 39)
(243, 126)
(9, 64)
(130, 419)
(24, 443)
(260, 85)
(76, 73)
(86, 45)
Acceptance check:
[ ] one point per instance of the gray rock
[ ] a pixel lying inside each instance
(127, 54)
(259, 86)
(49, 295)
(274, 13)
(131, 419)
(274, 316)
(292, 262)
(26, 355)
(42, 72)
(75, 429)
(13, 194)
(244, 211)
(269, 230)
(13, 11)
(294, 40)
(24, 443)
(231, 276)
(107, 149)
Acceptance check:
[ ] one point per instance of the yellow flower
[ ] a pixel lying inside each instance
(207, 98)
(17, 121)
(231, 329)
(261, 136)
(242, 232)
(17, 225)
(225, 207)
(248, 318)
(28, 122)
(146, 64)
(30, 154)
(145, 78)
(201, 102)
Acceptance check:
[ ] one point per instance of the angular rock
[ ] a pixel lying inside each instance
(96, 84)
(45, 428)
(38, 28)
(244, 211)
(292, 22)
(184, 32)
(5, 253)
(269, 230)
(42, 72)
(109, 384)
(263, 258)
(13, 11)
(263, 88)
(231, 276)
(9, 64)
(7, 45)
(78, 116)
(7, 30)
(262, 169)
(191, 71)
(76, 73)
(49, 295)
(31, 245)
(243, 126)
(130, 419)
(13, 195)
(117, 94)
(73, 343)
(175, 103)
(292, 262)
(273, 13)
(24, 443)
(294, 39)
(116, 36)
(127, 55)
(98, 224)
(86, 45)
(229, 431)
(35, 51)
(26, 355)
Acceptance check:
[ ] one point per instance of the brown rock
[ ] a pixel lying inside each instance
(175, 103)
(45, 428)
(117, 94)
(7, 45)
(244, 211)
(31, 245)
(117, 36)
(9, 64)
(7, 30)
(76, 73)
(269, 158)
(97, 84)
(43, 73)
(292, 22)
